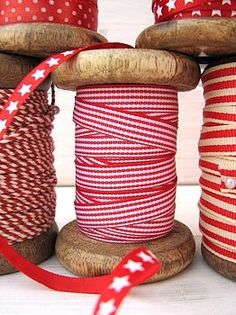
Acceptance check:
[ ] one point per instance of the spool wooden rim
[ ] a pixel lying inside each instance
(223, 267)
(14, 68)
(202, 37)
(87, 257)
(44, 39)
(35, 250)
(145, 66)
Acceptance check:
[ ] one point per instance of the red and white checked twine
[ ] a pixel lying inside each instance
(27, 175)
(125, 161)
(217, 147)
(81, 13)
(165, 10)
(141, 264)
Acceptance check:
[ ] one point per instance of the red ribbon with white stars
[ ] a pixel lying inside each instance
(134, 269)
(82, 13)
(165, 10)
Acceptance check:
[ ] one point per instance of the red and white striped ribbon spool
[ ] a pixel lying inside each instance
(165, 10)
(137, 267)
(218, 162)
(125, 161)
(82, 13)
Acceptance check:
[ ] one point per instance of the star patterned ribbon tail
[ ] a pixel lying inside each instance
(136, 268)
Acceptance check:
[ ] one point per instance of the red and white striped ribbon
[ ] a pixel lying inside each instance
(125, 161)
(218, 162)
(165, 10)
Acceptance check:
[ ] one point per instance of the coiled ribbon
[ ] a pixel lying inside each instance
(165, 10)
(125, 161)
(82, 13)
(217, 148)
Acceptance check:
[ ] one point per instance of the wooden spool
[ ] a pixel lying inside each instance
(220, 265)
(44, 39)
(78, 253)
(203, 38)
(12, 71)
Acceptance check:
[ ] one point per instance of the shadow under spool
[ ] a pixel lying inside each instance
(38, 249)
(78, 253)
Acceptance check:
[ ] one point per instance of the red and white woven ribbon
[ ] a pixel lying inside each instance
(218, 162)
(125, 161)
(82, 13)
(165, 10)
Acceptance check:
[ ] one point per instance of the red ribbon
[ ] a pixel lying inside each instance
(165, 10)
(82, 13)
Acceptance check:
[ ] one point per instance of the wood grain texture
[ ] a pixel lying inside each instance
(87, 257)
(204, 37)
(220, 265)
(44, 39)
(35, 250)
(14, 68)
(107, 66)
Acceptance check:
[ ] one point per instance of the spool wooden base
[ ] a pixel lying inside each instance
(44, 39)
(200, 37)
(87, 257)
(36, 250)
(223, 267)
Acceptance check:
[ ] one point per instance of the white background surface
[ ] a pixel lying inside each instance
(196, 291)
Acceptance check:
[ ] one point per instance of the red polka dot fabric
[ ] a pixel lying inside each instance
(82, 13)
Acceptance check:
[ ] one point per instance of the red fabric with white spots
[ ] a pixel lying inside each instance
(165, 10)
(82, 13)
(125, 161)
(217, 147)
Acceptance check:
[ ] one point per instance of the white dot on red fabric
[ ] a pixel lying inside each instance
(27, 9)
(35, 1)
(50, 18)
(43, 9)
(67, 3)
(80, 6)
(19, 18)
(6, 19)
(51, 2)
(74, 13)
(90, 10)
(2, 12)
(13, 10)
(85, 16)
(79, 22)
(20, 1)
(34, 18)
(59, 11)
(7, 2)
(66, 20)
